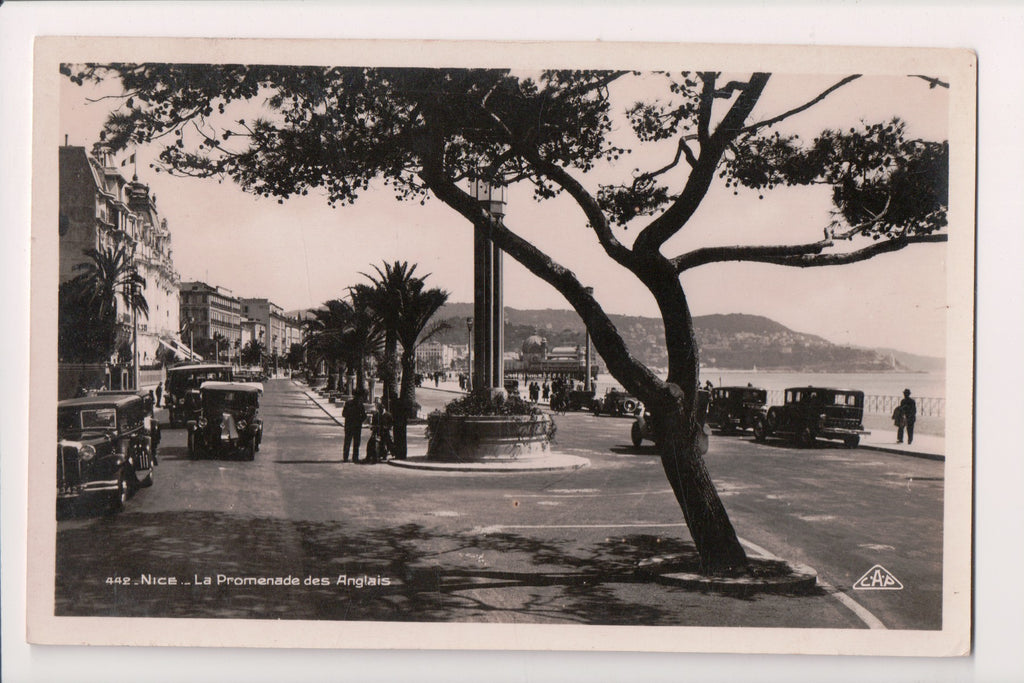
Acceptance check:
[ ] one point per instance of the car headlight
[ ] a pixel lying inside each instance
(202, 422)
(241, 425)
(87, 453)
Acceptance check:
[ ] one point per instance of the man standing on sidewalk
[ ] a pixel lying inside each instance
(354, 415)
(907, 415)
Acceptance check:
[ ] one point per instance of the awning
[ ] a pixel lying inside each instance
(179, 349)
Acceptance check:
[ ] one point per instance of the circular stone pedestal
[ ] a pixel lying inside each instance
(491, 438)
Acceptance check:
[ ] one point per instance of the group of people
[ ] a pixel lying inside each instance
(380, 444)
(536, 390)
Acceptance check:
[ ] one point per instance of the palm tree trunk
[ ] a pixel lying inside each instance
(405, 406)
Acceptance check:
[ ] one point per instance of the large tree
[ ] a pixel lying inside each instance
(426, 132)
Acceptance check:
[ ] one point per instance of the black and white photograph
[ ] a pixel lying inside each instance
(373, 344)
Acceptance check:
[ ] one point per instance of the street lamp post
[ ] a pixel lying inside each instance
(586, 371)
(488, 310)
(469, 359)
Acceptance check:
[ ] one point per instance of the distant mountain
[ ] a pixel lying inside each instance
(727, 341)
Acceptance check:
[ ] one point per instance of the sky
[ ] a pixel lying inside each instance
(303, 252)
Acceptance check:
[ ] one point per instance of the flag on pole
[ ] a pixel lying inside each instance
(129, 160)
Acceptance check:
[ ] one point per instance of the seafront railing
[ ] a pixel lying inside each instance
(881, 405)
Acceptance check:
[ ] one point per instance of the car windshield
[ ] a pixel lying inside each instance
(180, 381)
(753, 395)
(97, 418)
(218, 401)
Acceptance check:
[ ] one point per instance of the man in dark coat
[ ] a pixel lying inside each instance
(908, 415)
(354, 415)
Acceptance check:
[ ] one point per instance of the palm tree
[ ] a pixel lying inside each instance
(108, 276)
(343, 335)
(384, 298)
(404, 308)
(252, 352)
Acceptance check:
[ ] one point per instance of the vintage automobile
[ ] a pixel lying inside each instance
(643, 429)
(733, 408)
(228, 422)
(181, 393)
(812, 413)
(105, 448)
(615, 402)
(563, 399)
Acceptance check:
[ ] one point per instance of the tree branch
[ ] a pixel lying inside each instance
(591, 209)
(799, 255)
(682, 209)
(606, 337)
(807, 105)
(932, 82)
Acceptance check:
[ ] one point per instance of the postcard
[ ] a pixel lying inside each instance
(507, 346)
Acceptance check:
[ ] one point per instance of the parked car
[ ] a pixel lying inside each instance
(812, 413)
(616, 402)
(563, 399)
(643, 429)
(733, 408)
(228, 422)
(182, 389)
(105, 447)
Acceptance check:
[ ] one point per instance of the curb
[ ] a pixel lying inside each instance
(897, 451)
(798, 579)
(552, 462)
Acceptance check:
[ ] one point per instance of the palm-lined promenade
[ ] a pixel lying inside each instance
(557, 547)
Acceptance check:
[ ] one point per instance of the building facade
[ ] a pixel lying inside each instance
(433, 356)
(99, 209)
(211, 320)
(281, 331)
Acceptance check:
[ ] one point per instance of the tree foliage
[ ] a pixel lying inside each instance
(88, 327)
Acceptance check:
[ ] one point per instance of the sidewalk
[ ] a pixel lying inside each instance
(925, 445)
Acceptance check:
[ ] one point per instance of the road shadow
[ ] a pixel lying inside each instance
(633, 450)
(341, 572)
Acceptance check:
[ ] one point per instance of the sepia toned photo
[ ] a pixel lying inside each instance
(503, 346)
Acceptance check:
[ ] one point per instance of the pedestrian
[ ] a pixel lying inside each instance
(905, 416)
(159, 392)
(354, 415)
(380, 445)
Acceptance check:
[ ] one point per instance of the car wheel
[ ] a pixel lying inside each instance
(192, 446)
(250, 451)
(760, 430)
(851, 441)
(596, 408)
(637, 436)
(120, 497)
(806, 437)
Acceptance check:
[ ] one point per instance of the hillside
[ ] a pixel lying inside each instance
(727, 341)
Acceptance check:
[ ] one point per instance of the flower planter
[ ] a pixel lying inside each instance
(469, 438)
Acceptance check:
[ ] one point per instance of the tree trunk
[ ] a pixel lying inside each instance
(682, 439)
(405, 406)
(682, 444)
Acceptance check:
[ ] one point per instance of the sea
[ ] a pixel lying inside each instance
(921, 384)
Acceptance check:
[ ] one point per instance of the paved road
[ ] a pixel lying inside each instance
(386, 543)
